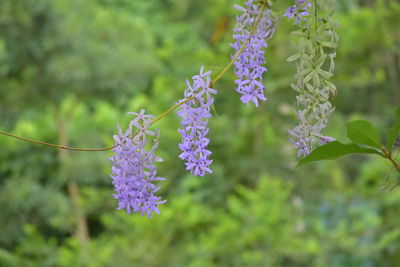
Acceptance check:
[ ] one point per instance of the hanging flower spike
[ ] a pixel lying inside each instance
(249, 66)
(195, 114)
(315, 65)
(133, 171)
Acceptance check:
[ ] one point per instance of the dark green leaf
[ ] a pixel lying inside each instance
(363, 132)
(334, 150)
(394, 130)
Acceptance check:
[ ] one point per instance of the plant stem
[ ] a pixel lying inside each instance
(165, 113)
(54, 145)
(315, 17)
(389, 157)
(389, 173)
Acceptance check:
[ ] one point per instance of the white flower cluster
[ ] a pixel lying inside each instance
(316, 50)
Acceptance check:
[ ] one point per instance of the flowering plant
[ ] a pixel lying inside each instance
(134, 172)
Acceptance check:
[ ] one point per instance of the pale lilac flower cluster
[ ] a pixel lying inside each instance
(249, 66)
(305, 137)
(133, 171)
(315, 65)
(298, 11)
(195, 114)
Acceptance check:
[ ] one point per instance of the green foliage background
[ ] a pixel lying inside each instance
(73, 68)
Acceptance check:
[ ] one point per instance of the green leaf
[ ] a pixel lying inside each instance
(394, 130)
(334, 150)
(363, 132)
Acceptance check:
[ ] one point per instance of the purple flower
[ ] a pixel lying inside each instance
(306, 137)
(133, 170)
(249, 66)
(301, 142)
(299, 10)
(195, 114)
(290, 12)
(323, 140)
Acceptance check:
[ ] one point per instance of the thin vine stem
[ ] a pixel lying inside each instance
(165, 113)
(315, 17)
(389, 174)
(54, 145)
(392, 160)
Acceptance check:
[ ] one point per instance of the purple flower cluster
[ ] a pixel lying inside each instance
(305, 144)
(307, 136)
(298, 11)
(195, 114)
(249, 66)
(301, 142)
(133, 171)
